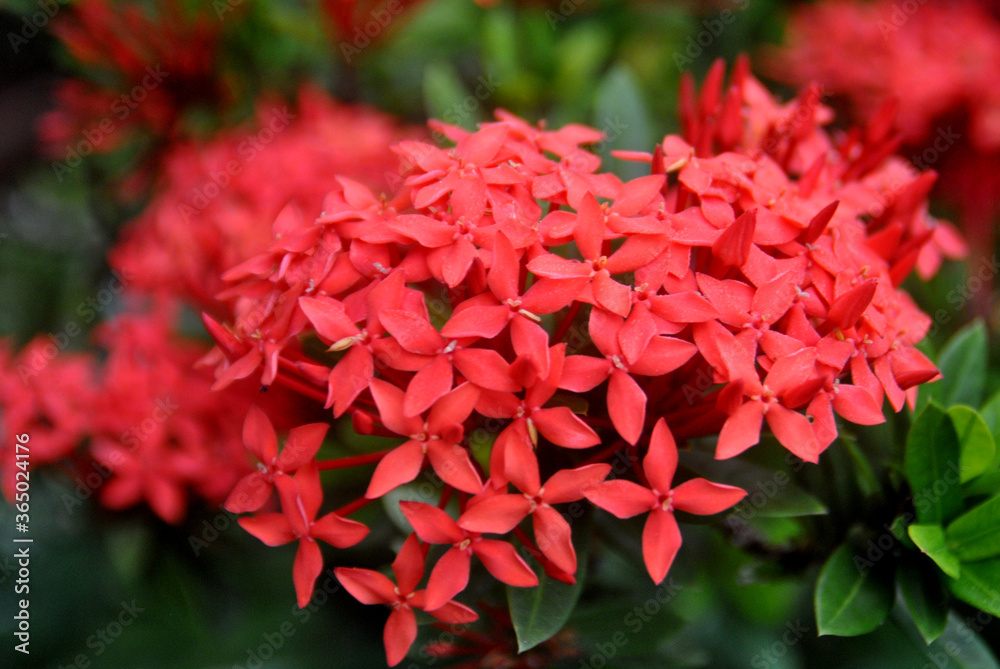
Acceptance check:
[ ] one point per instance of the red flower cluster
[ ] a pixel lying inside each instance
(152, 68)
(513, 296)
(218, 200)
(45, 394)
(932, 61)
(143, 426)
(935, 59)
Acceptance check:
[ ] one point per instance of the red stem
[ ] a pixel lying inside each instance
(445, 496)
(348, 509)
(567, 322)
(353, 461)
(300, 387)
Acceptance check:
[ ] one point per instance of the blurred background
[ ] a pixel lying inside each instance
(129, 127)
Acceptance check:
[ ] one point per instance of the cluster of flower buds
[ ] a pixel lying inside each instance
(517, 317)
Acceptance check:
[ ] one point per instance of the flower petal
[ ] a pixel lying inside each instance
(497, 515)
(661, 539)
(621, 498)
(705, 498)
(448, 578)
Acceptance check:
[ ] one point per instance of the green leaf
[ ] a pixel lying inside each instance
(539, 612)
(979, 585)
(850, 601)
(931, 464)
(987, 484)
(620, 112)
(864, 473)
(975, 535)
(899, 530)
(963, 365)
(990, 413)
(962, 647)
(930, 539)
(978, 448)
(924, 596)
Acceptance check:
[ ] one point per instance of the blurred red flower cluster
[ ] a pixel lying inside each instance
(218, 199)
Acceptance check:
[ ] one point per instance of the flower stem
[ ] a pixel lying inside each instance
(353, 461)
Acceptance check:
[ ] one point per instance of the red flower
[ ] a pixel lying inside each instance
(371, 587)
(650, 356)
(435, 439)
(301, 497)
(661, 538)
(451, 573)
(254, 489)
(500, 513)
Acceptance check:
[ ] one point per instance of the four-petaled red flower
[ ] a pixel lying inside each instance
(254, 489)
(451, 573)
(301, 497)
(371, 587)
(661, 538)
(500, 513)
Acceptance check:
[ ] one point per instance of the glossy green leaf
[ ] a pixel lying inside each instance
(540, 612)
(930, 539)
(931, 464)
(975, 535)
(924, 597)
(979, 585)
(963, 365)
(976, 444)
(850, 601)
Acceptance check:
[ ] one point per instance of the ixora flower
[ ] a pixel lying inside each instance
(519, 318)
